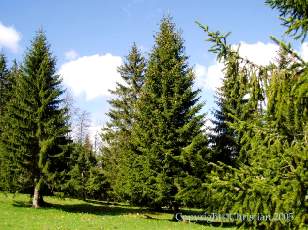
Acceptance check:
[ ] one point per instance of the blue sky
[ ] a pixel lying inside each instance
(98, 34)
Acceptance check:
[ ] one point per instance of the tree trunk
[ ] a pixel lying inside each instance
(37, 200)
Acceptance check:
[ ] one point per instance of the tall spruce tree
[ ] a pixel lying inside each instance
(294, 15)
(238, 98)
(81, 161)
(269, 184)
(117, 134)
(34, 137)
(7, 82)
(170, 146)
(224, 139)
(4, 81)
(3, 99)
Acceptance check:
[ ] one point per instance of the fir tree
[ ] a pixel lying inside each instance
(169, 145)
(81, 162)
(7, 83)
(34, 138)
(3, 99)
(229, 100)
(271, 180)
(294, 14)
(237, 98)
(4, 81)
(117, 134)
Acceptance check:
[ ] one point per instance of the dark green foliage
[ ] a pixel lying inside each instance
(294, 14)
(272, 178)
(225, 141)
(7, 164)
(4, 83)
(237, 97)
(116, 152)
(85, 179)
(34, 137)
(169, 145)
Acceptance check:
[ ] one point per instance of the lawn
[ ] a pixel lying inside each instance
(16, 213)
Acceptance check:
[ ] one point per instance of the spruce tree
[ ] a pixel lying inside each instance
(117, 134)
(294, 15)
(81, 162)
(3, 99)
(271, 179)
(7, 83)
(239, 97)
(169, 145)
(34, 137)
(224, 139)
(4, 81)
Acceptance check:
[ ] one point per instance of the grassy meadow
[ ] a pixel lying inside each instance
(16, 213)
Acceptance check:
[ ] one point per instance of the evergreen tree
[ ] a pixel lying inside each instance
(238, 98)
(224, 139)
(294, 14)
(272, 178)
(4, 81)
(7, 83)
(117, 134)
(81, 162)
(168, 142)
(3, 99)
(34, 137)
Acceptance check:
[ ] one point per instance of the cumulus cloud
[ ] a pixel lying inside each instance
(259, 53)
(92, 75)
(210, 78)
(9, 38)
(304, 51)
(71, 55)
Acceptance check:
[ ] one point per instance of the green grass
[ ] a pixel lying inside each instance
(16, 213)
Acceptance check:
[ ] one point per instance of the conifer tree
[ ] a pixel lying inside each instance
(8, 82)
(117, 134)
(271, 180)
(294, 15)
(34, 137)
(81, 162)
(170, 147)
(229, 100)
(3, 98)
(4, 75)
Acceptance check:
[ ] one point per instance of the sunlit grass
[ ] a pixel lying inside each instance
(16, 213)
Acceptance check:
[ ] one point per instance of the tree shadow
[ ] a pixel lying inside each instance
(102, 202)
(22, 204)
(102, 208)
(105, 208)
(216, 224)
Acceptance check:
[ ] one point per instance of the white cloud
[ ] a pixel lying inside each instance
(304, 51)
(260, 53)
(91, 75)
(71, 55)
(9, 38)
(209, 78)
